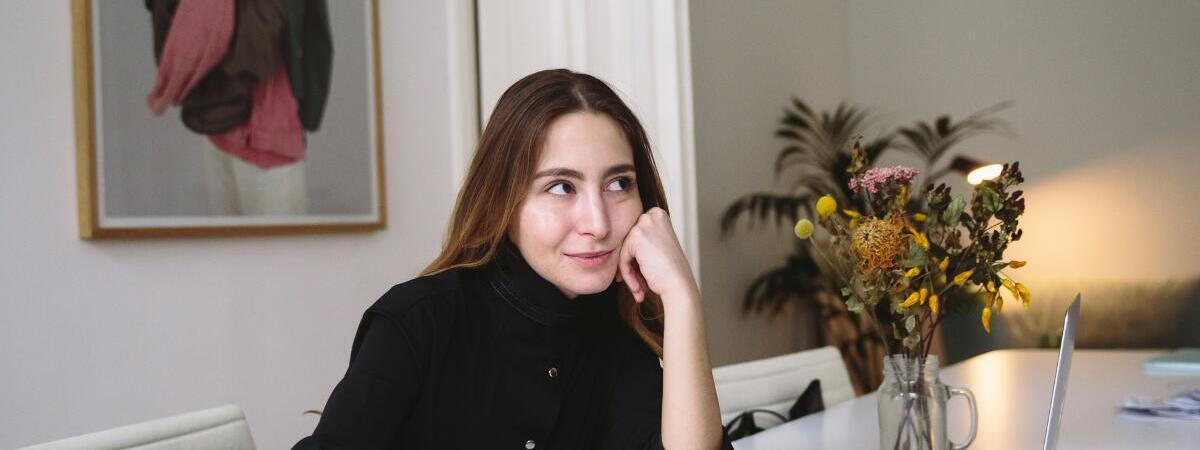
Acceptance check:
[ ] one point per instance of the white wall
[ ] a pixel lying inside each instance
(747, 62)
(1106, 97)
(95, 335)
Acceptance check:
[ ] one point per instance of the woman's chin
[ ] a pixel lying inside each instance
(592, 284)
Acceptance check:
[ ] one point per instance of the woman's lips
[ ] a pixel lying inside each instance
(592, 259)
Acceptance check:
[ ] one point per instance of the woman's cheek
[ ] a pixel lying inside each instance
(540, 222)
(550, 221)
(627, 217)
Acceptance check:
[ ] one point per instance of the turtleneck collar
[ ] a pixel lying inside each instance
(532, 295)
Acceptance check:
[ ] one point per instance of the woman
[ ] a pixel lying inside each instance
(542, 322)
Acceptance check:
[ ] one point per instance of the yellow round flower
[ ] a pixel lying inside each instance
(804, 229)
(826, 206)
(933, 303)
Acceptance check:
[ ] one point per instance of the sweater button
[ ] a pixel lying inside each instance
(553, 372)
(530, 444)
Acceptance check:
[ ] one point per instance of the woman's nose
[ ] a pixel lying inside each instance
(593, 217)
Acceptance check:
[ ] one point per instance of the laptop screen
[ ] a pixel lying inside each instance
(1059, 393)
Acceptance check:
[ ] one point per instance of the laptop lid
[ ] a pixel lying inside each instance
(1059, 394)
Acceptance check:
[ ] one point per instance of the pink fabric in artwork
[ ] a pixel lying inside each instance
(273, 136)
(199, 37)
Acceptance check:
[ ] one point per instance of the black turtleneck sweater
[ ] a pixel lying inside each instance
(494, 357)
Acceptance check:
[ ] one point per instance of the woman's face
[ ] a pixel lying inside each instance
(582, 202)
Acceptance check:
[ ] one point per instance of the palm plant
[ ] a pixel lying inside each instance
(814, 163)
(931, 142)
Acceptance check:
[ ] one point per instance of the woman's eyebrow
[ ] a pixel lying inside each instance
(572, 173)
(619, 168)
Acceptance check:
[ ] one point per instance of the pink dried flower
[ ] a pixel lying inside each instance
(879, 178)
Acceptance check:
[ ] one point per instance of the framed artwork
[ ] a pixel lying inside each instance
(227, 117)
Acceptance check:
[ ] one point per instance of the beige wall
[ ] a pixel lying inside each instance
(1106, 99)
(747, 62)
(95, 335)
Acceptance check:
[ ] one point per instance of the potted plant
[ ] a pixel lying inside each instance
(901, 254)
(814, 163)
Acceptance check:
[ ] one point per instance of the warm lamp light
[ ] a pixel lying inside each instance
(987, 172)
(975, 171)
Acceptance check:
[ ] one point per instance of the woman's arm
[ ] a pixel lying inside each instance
(691, 417)
(376, 394)
(652, 259)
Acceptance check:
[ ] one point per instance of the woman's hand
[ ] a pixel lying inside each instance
(652, 259)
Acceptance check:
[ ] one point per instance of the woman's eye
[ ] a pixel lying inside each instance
(560, 189)
(620, 184)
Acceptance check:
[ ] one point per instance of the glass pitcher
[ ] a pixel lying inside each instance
(912, 406)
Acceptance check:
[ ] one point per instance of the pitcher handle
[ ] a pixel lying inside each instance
(974, 416)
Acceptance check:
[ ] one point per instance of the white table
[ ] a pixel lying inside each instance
(1013, 391)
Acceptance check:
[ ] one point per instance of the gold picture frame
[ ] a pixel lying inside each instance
(95, 171)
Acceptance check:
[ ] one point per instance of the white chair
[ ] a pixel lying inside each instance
(775, 383)
(224, 428)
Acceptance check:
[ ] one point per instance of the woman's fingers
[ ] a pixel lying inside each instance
(626, 271)
(631, 280)
(636, 271)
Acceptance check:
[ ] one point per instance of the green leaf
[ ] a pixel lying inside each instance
(917, 256)
(854, 306)
(910, 323)
(911, 341)
(991, 199)
(951, 214)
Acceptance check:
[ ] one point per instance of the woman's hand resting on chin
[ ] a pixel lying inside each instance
(651, 259)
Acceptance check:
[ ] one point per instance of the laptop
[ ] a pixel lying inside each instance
(1059, 392)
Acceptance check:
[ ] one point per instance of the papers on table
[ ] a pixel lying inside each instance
(1184, 406)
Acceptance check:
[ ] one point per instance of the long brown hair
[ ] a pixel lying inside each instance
(506, 159)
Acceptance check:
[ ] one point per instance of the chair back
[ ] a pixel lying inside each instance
(775, 383)
(223, 427)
